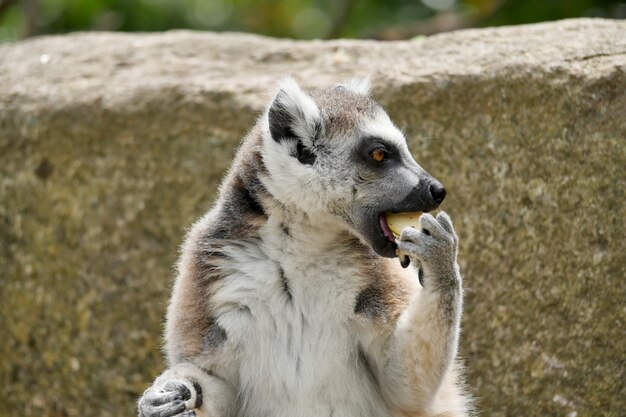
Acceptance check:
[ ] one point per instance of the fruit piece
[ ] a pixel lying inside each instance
(399, 221)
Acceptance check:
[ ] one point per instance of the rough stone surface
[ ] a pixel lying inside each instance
(112, 144)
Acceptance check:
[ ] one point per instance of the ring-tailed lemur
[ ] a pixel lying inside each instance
(289, 302)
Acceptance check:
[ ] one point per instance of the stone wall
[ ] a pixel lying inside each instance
(112, 144)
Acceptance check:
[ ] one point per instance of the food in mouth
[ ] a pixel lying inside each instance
(400, 221)
(392, 225)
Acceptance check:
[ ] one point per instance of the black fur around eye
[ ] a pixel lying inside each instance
(375, 151)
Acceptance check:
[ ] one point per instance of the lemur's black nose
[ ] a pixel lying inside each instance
(437, 192)
(427, 196)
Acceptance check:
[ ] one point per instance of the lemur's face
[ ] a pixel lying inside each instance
(336, 155)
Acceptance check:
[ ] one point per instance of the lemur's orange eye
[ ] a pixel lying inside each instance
(378, 155)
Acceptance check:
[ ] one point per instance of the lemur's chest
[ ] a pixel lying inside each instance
(295, 336)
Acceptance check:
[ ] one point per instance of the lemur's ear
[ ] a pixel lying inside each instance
(294, 116)
(360, 86)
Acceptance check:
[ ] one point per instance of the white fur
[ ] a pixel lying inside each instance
(360, 86)
(300, 106)
(382, 126)
(290, 181)
(289, 348)
(296, 184)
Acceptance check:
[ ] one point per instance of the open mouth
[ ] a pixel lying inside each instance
(392, 223)
(384, 227)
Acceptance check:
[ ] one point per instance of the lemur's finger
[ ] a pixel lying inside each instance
(445, 221)
(163, 398)
(410, 234)
(166, 410)
(430, 226)
(179, 387)
(410, 249)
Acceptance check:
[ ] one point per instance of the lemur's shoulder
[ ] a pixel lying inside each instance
(236, 216)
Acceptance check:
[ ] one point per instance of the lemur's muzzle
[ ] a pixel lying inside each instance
(427, 196)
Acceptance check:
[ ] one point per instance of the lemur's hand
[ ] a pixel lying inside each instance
(173, 399)
(433, 246)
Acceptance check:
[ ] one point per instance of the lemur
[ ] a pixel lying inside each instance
(290, 300)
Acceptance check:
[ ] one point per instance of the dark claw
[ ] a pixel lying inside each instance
(426, 232)
(405, 261)
(420, 276)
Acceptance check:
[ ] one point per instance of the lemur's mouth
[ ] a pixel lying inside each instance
(392, 223)
(384, 227)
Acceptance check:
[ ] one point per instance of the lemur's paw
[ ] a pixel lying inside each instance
(433, 245)
(170, 400)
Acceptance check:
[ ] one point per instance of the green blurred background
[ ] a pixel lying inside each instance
(303, 19)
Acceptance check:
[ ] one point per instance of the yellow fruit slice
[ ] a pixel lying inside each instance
(399, 221)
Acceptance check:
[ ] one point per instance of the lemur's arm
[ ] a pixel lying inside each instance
(413, 360)
(186, 390)
(195, 384)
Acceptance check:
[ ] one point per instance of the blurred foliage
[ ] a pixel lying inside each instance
(304, 19)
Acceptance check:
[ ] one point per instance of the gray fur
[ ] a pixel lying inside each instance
(166, 403)
(215, 336)
(341, 110)
(434, 248)
(370, 303)
(285, 283)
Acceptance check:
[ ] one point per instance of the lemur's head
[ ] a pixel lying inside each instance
(336, 154)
